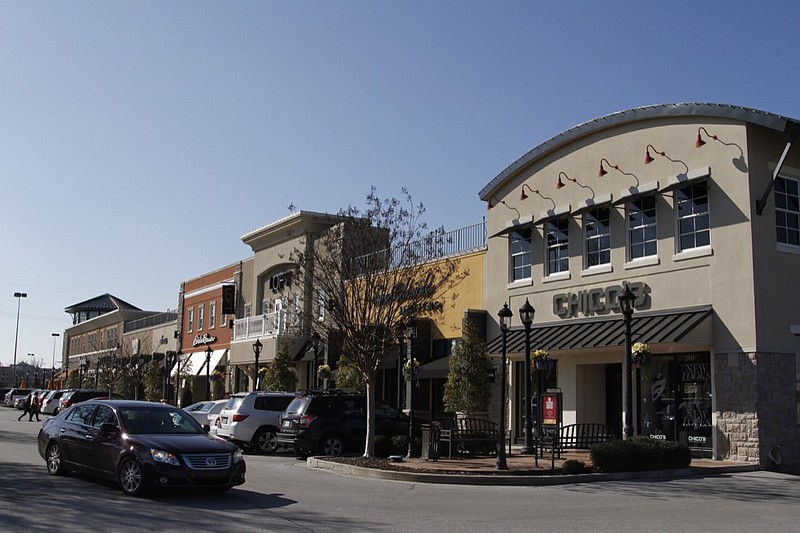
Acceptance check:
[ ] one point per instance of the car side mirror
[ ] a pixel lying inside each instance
(206, 428)
(109, 427)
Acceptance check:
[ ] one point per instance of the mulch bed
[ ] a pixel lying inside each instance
(380, 463)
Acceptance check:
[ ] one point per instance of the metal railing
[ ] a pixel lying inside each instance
(150, 321)
(264, 326)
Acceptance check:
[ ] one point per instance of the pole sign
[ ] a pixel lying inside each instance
(551, 409)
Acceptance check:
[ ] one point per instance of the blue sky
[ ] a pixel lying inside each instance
(140, 140)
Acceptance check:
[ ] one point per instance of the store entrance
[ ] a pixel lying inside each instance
(614, 397)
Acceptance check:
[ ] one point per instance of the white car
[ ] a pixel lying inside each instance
(51, 401)
(251, 419)
(207, 412)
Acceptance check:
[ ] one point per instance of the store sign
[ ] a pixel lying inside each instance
(205, 338)
(595, 301)
(550, 409)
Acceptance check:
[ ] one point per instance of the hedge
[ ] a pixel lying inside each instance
(639, 453)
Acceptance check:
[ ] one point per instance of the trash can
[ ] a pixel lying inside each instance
(430, 442)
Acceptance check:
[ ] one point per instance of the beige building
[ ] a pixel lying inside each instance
(666, 199)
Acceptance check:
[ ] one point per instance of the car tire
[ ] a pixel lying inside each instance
(54, 459)
(332, 445)
(265, 441)
(130, 477)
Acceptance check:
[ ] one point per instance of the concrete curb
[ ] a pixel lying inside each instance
(522, 480)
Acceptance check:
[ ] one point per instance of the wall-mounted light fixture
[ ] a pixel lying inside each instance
(603, 171)
(561, 184)
(700, 142)
(524, 196)
(648, 158)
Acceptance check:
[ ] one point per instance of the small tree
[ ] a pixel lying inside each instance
(467, 388)
(186, 397)
(348, 377)
(279, 375)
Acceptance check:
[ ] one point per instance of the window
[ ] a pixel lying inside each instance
(212, 312)
(642, 235)
(93, 342)
(521, 254)
(691, 208)
(320, 305)
(557, 239)
(598, 237)
(191, 320)
(111, 338)
(201, 311)
(787, 211)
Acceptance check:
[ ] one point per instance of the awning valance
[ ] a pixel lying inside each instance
(652, 328)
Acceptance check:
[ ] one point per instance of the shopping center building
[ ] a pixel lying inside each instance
(695, 207)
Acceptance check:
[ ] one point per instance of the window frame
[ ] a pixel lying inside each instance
(642, 227)
(212, 314)
(782, 196)
(518, 238)
(190, 324)
(596, 237)
(694, 216)
(559, 246)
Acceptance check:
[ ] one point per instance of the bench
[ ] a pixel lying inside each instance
(471, 435)
(576, 437)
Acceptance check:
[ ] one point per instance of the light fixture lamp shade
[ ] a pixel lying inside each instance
(505, 315)
(648, 158)
(257, 346)
(700, 142)
(627, 300)
(526, 313)
(603, 171)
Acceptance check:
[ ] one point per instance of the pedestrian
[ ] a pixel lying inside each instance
(26, 406)
(35, 407)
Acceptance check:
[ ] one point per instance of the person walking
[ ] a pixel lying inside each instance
(26, 406)
(35, 407)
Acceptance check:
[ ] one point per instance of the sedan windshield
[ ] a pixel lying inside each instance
(158, 422)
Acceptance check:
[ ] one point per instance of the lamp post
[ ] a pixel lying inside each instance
(82, 373)
(526, 313)
(28, 373)
(178, 355)
(209, 351)
(169, 358)
(53, 369)
(626, 305)
(505, 315)
(257, 351)
(18, 296)
(411, 334)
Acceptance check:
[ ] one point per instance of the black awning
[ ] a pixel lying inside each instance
(655, 328)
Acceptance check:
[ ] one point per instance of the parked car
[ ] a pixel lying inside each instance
(140, 445)
(251, 419)
(334, 423)
(73, 396)
(51, 401)
(3, 392)
(207, 412)
(15, 394)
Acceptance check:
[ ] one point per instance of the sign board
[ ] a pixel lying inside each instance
(551, 409)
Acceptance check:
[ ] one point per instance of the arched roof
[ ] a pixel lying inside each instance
(732, 112)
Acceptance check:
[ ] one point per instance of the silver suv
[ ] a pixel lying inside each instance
(251, 419)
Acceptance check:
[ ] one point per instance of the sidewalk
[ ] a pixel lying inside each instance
(522, 470)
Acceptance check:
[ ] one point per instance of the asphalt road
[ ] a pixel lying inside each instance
(281, 494)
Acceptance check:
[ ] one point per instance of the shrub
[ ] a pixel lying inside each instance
(639, 453)
(573, 466)
(383, 446)
(676, 455)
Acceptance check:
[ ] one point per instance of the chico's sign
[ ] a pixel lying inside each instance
(595, 301)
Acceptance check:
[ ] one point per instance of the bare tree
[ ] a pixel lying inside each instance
(375, 272)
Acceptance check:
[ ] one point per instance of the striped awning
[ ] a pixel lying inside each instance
(654, 328)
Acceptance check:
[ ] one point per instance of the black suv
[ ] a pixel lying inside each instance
(73, 396)
(333, 423)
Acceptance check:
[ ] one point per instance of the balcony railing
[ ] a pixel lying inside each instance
(264, 326)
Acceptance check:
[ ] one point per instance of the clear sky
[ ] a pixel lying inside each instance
(140, 140)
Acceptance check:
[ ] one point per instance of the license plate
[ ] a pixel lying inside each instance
(287, 423)
(224, 419)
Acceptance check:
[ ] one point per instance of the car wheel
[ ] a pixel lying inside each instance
(55, 463)
(130, 477)
(332, 445)
(265, 441)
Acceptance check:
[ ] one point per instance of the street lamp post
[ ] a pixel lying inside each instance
(28, 374)
(82, 373)
(53, 369)
(18, 296)
(411, 334)
(626, 305)
(178, 355)
(526, 313)
(257, 351)
(169, 358)
(505, 315)
(209, 351)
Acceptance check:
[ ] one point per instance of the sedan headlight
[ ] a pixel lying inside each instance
(238, 456)
(164, 457)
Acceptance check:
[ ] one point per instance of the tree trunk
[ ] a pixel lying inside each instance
(369, 445)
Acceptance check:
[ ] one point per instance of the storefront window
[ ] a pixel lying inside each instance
(598, 237)
(692, 211)
(787, 211)
(557, 245)
(642, 234)
(675, 399)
